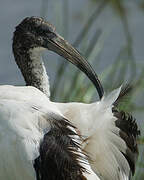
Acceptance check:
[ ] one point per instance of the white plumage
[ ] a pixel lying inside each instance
(22, 127)
(28, 117)
(20, 133)
(102, 141)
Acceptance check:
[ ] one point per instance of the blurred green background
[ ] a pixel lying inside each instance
(108, 33)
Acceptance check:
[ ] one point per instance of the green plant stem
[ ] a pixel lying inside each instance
(129, 46)
(78, 40)
(87, 54)
(89, 23)
(65, 34)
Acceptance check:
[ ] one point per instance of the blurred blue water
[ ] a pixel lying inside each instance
(12, 12)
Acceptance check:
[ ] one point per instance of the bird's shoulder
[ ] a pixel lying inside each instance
(20, 92)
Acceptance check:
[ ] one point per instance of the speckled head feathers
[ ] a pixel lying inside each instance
(32, 32)
(36, 25)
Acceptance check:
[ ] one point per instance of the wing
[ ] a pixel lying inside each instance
(61, 156)
(37, 142)
(19, 139)
(110, 137)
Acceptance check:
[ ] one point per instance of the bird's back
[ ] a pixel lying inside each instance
(22, 128)
(19, 139)
(36, 141)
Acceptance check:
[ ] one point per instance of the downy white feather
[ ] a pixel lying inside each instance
(96, 124)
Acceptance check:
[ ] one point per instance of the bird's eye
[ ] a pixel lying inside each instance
(45, 28)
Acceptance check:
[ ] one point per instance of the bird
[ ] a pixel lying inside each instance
(41, 139)
(37, 142)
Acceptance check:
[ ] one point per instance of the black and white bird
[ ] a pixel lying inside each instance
(43, 140)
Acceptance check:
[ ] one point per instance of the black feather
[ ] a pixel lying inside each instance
(129, 132)
(127, 124)
(59, 154)
(125, 91)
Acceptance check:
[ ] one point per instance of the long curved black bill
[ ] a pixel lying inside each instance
(64, 49)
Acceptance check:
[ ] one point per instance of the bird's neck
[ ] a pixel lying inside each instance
(32, 67)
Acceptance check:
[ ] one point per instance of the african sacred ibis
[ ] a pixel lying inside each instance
(37, 141)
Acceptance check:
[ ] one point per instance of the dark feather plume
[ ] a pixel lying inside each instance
(125, 91)
(59, 154)
(129, 131)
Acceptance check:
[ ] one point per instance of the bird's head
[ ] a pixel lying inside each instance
(34, 32)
